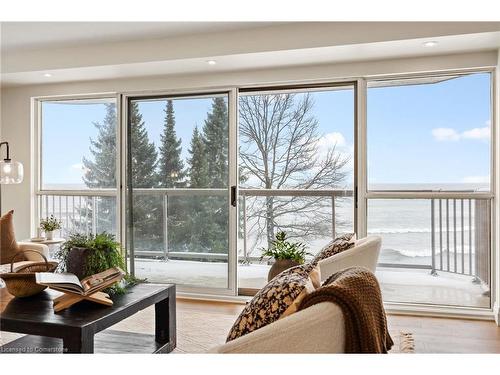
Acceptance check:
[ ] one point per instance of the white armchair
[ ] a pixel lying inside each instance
(364, 254)
(317, 329)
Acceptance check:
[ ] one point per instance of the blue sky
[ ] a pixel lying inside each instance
(416, 134)
(433, 133)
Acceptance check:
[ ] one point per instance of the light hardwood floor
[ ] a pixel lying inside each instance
(432, 335)
(202, 325)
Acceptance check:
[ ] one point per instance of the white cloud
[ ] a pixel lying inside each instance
(331, 139)
(445, 134)
(337, 140)
(449, 134)
(477, 133)
(476, 179)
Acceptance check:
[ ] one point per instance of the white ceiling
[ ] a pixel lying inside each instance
(94, 51)
(38, 35)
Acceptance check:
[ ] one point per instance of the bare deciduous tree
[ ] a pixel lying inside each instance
(279, 149)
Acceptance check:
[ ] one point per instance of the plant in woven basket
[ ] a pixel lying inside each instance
(50, 224)
(99, 252)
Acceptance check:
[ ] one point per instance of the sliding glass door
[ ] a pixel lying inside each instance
(179, 174)
(296, 171)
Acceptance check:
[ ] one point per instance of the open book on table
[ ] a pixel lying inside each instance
(69, 283)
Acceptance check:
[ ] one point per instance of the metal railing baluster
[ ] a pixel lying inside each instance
(441, 234)
(455, 235)
(66, 214)
(462, 234)
(165, 227)
(245, 249)
(80, 212)
(87, 215)
(72, 213)
(52, 211)
(470, 237)
(447, 235)
(46, 206)
(333, 217)
(60, 217)
(94, 215)
(433, 241)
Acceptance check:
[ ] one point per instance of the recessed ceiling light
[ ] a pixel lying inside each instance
(47, 75)
(211, 62)
(430, 43)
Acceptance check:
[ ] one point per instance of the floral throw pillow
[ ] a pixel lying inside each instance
(336, 246)
(279, 298)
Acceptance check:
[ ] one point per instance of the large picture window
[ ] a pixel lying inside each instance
(78, 163)
(429, 192)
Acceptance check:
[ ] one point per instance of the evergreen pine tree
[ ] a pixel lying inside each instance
(171, 167)
(215, 140)
(215, 136)
(100, 173)
(171, 174)
(144, 155)
(146, 209)
(198, 178)
(198, 167)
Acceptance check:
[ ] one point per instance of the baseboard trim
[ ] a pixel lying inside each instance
(496, 313)
(215, 298)
(439, 311)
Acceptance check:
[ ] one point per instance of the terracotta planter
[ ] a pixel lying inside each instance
(279, 266)
(77, 261)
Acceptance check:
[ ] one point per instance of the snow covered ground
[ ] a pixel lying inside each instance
(398, 285)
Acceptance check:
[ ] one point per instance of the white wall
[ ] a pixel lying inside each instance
(496, 231)
(16, 119)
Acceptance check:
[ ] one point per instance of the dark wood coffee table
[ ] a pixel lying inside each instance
(72, 330)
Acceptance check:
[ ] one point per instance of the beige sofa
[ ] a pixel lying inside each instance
(29, 256)
(317, 329)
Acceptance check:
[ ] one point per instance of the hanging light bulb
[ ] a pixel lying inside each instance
(11, 172)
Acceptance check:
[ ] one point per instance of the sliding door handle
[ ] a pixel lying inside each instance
(233, 196)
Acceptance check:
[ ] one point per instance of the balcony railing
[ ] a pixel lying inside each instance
(460, 237)
(79, 211)
(460, 228)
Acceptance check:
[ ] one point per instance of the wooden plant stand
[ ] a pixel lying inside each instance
(69, 299)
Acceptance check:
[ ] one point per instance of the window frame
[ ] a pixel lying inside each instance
(367, 194)
(37, 190)
(231, 93)
(306, 87)
(361, 192)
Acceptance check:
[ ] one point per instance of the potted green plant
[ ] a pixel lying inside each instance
(88, 254)
(286, 254)
(49, 225)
